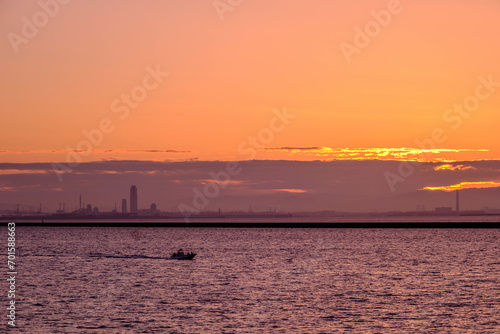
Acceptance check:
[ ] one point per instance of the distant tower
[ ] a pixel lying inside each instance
(458, 200)
(124, 205)
(133, 199)
(80, 201)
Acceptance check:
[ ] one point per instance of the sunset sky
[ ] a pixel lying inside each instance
(237, 80)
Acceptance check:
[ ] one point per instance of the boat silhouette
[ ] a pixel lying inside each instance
(180, 255)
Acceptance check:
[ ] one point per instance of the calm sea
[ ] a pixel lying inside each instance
(120, 280)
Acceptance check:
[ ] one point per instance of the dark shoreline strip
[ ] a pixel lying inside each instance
(493, 225)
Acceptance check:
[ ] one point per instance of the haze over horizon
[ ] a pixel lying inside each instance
(357, 186)
(326, 106)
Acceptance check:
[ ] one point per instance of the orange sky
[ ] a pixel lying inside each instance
(227, 76)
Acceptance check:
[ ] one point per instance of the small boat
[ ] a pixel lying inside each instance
(180, 255)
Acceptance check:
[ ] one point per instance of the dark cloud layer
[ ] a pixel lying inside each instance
(287, 185)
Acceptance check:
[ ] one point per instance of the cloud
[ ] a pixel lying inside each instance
(22, 171)
(465, 185)
(19, 188)
(313, 148)
(140, 151)
(454, 167)
(109, 159)
(295, 191)
(96, 151)
(222, 183)
(375, 153)
(32, 151)
(348, 185)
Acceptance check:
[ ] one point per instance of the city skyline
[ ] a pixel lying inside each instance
(87, 208)
(356, 186)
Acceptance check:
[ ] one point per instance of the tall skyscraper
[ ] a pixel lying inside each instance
(133, 199)
(124, 205)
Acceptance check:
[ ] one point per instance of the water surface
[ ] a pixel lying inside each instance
(119, 280)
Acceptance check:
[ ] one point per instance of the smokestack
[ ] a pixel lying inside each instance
(458, 200)
(133, 199)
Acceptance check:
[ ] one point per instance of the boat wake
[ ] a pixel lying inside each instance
(99, 255)
(128, 256)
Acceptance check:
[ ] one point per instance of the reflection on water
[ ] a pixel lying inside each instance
(120, 280)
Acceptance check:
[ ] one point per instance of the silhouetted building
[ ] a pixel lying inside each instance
(458, 201)
(152, 211)
(133, 199)
(61, 209)
(444, 209)
(124, 205)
